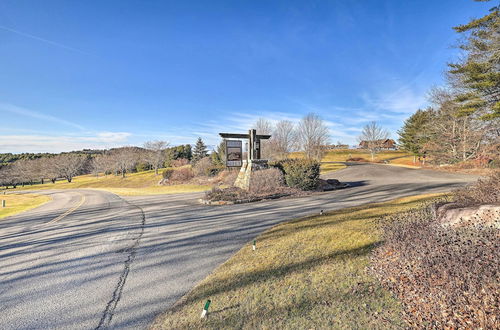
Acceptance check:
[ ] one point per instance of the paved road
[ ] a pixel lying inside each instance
(90, 259)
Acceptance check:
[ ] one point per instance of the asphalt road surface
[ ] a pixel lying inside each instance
(92, 260)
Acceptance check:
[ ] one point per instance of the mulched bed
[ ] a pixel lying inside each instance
(235, 195)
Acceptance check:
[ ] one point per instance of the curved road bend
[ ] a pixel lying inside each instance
(104, 265)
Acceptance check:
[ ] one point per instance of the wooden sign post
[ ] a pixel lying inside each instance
(253, 161)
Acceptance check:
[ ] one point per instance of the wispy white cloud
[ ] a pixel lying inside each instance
(58, 143)
(5, 107)
(109, 137)
(47, 41)
(402, 100)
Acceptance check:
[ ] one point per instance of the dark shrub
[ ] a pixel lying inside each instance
(279, 165)
(141, 167)
(182, 174)
(356, 159)
(494, 163)
(215, 170)
(299, 173)
(167, 174)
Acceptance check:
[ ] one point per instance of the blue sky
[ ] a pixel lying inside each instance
(107, 73)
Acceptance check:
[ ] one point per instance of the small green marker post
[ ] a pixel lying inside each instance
(3, 202)
(254, 246)
(205, 309)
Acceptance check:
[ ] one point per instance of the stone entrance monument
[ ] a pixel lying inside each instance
(234, 155)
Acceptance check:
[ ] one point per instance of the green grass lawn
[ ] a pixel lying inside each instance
(142, 183)
(17, 203)
(309, 273)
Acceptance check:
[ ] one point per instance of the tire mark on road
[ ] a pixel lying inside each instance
(117, 293)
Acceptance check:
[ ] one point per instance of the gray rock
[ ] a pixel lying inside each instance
(482, 215)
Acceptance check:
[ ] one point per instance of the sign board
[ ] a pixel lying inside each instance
(234, 153)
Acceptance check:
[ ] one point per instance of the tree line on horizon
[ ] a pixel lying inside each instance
(38, 168)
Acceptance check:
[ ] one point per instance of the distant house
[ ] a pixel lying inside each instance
(384, 144)
(337, 146)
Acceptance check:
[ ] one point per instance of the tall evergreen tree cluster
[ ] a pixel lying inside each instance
(464, 122)
(183, 151)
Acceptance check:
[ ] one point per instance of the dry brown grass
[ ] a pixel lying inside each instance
(398, 157)
(485, 191)
(17, 203)
(331, 167)
(142, 183)
(446, 278)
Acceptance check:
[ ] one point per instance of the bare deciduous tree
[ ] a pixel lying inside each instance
(283, 140)
(373, 137)
(313, 136)
(454, 136)
(49, 168)
(4, 176)
(9, 176)
(124, 159)
(264, 127)
(102, 163)
(37, 169)
(24, 171)
(69, 165)
(155, 153)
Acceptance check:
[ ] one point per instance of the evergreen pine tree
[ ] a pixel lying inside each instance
(414, 133)
(200, 150)
(219, 156)
(477, 76)
(188, 153)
